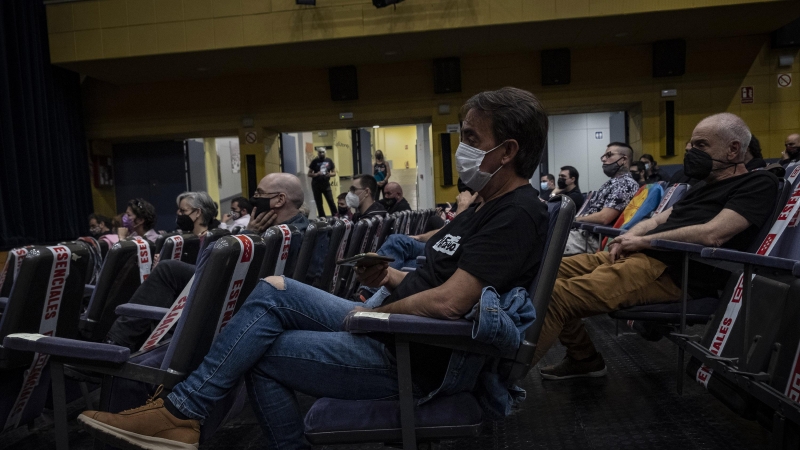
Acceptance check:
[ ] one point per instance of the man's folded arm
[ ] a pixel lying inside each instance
(450, 300)
(714, 233)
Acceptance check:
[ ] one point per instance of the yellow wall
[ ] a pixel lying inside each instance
(398, 145)
(99, 29)
(611, 79)
(212, 169)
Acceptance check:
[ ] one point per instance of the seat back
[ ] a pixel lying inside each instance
(161, 240)
(96, 257)
(586, 201)
(49, 285)
(181, 247)
(337, 247)
(561, 210)
(672, 195)
(225, 277)
(119, 278)
(315, 243)
(11, 269)
(385, 229)
(282, 243)
(354, 247)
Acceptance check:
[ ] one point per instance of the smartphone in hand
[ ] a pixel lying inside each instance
(364, 260)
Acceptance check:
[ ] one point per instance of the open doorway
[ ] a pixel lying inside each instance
(406, 151)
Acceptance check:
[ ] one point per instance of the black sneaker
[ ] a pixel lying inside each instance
(593, 367)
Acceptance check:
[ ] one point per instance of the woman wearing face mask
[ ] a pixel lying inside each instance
(138, 220)
(100, 228)
(381, 171)
(651, 167)
(196, 213)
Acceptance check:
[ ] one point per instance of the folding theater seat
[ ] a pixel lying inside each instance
(283, 244)
(358, 244)
(182, 247)
(126, 266)
(669, 198)
(331, 421)
(10, 272)
(337, 247)
(225, 276)
(355, 245)
(312, 253)
(385, 229)
(46, 299)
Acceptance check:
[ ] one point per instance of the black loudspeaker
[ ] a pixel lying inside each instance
(787, 36)
(556, 66)
(344, 83)
(447, 159)
(446, 75)
(669, 58)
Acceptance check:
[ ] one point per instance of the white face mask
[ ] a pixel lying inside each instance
(352, 200)
(646, 166)
(468, 163)
(543, 184)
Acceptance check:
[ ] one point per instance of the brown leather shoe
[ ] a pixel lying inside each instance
(147, 427)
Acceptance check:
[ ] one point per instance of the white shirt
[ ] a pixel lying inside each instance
(240, 222)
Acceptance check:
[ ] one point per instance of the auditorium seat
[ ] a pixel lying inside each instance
(166, 362)
(312, 252)
(331, 421)
(46, 298)
(181, 247)
(341, 230)
(282, 246)
(355, 245)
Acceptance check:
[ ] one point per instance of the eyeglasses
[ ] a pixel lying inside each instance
(185, 213)
(261, 194)
(607, 155)
(353, 189)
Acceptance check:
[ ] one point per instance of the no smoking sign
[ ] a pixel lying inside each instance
(784, 80)
(251, 137)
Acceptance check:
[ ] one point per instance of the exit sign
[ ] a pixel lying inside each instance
(747, 94)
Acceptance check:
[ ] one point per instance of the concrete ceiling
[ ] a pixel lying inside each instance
(620, 30)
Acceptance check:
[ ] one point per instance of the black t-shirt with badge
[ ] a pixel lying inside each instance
(501, 244)
(751, 195)
(323, 166)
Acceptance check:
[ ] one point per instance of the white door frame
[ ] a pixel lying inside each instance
(425, 189)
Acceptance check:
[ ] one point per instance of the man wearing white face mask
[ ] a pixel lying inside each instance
(286, 333)
(361, 198)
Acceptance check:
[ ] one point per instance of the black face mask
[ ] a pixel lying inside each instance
(185, 223)
(343, 210)
(611, 169)
(698, 164)
(562, 184)
(793, 152)
(389, 202)
(261, 204)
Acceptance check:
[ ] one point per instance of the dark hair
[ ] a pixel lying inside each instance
(368, 182)
(639, 165)
(515, 114)
(341, 196)
(650, 158)
(550, 177)
(755, 147)
(623, 145)
(243, 204)
(142, 209)
(379, 152)
(573, 173)
(99, 218)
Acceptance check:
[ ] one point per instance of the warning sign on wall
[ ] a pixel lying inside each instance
(784, 80)
(251, 137)
(747, 94)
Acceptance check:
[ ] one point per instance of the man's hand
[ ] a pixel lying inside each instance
(260, 222)
(226, 217)
(372, 276)
(630, 244)
(615, 251)
(465, 199)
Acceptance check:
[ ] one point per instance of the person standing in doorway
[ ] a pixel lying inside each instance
(320, 171)
(381, 172)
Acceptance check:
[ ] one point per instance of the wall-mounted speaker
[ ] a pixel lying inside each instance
(667, 128)
(446, 75)
(787, 36)
(344, 83)
(669, 58)
(556, 66)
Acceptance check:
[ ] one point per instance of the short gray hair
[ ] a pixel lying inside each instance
(731, 127)
(202, 201)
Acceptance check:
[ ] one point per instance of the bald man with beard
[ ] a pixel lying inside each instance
(277, 201)
(393, 199)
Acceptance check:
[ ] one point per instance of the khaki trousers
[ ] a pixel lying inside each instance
(589, 284)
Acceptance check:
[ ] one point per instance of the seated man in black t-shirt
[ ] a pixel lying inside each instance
(727, 211)
(286, 336)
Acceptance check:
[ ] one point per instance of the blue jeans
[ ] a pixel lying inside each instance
(286, 340)
(403, 249)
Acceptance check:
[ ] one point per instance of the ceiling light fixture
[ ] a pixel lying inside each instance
(306, 2)
(385, 3)
(376, 126)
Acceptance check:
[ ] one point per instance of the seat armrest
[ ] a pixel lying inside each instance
(88, 290)
(609, 231)
(663, 244)
(3, 303)
(421, 260)
(770, 262)
(366, 321)
(796, 269)
(587, 226)
(67, 348)
(141, 311)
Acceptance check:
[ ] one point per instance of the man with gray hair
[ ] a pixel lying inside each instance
(727, 211)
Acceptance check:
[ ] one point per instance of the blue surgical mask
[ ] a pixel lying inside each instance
(543, 184)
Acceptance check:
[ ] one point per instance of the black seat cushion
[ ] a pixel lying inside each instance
(698, 311)
(331, 415)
